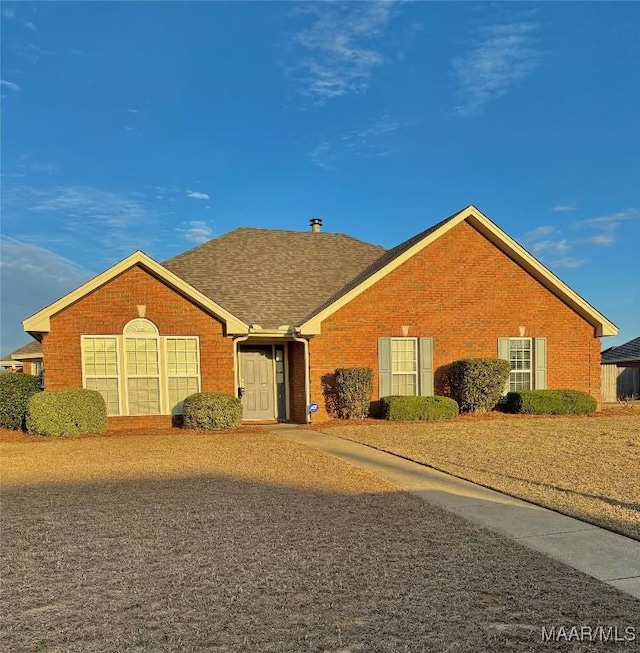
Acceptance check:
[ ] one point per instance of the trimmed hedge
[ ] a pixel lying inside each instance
(15, 391)
(67, 411)
(353, 390)
(478, 383)
(551, 402)
(211, 411)
(411, 408)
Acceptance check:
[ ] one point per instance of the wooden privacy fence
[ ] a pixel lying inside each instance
(619, 382)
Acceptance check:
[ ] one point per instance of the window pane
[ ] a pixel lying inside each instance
(142, 357)
(179, 390)
(182, 357)
(403, 384)
(108, 388)
(144, 396)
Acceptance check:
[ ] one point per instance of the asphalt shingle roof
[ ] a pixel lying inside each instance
(628, 352)
(274, 277)
(31, 348)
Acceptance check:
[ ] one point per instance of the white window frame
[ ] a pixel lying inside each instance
(530, 371)
(122, 377)
(128, 377)
(416, 373)
(86, 376)
(167, 375)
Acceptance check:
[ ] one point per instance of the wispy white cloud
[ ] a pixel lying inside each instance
(32, 277)
(550, 247)
(25, 165)
(81, 217)
(8, 13)
(559, 208)
(343, 46)
(197, 195)
(606, 226)
(133, 111)
(379, 137)
(30, 26)
(197, 231)
(502, 56)
(30, 52)
(539, 232)
(567, 262)
(323, 156)
(11, 85)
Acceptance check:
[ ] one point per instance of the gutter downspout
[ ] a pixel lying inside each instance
(236, 340)
(307, 394)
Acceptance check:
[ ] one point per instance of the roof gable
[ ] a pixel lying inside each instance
(398, 255)
(40, 321)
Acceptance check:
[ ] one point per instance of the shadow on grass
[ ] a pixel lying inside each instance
(216, 563)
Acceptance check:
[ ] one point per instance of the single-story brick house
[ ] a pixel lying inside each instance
(269, 315)
(26, 359)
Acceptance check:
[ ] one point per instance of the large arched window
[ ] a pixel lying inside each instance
(141, 372)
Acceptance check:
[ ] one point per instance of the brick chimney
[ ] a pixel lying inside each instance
(316, 225)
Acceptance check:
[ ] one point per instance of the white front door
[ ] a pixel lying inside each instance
(256, 371)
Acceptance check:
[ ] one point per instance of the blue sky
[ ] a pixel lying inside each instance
(158, 125)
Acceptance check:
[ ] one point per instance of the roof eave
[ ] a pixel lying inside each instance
(40, 322)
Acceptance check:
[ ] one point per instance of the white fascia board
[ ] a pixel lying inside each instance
(40, 321)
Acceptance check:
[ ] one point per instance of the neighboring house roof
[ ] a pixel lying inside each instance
(274, 278)
(629, 352)
(30, 351)
(398, 255)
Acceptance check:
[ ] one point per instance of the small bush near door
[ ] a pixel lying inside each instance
(66, 411)
(551, 402)
(211, 411)
(478, 383)
(15, 391)
(353, 391)
(412, 408)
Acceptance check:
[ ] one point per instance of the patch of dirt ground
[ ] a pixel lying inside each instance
(584, 466)
(249, 542)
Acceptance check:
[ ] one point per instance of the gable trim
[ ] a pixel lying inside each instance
(602, 326)
(40, 322)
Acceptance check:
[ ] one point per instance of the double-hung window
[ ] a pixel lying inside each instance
(100, 369)
(405, 366)
(527, 362)
(520, 360)
(183, 370)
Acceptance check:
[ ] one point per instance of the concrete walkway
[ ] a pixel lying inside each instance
(612, 558)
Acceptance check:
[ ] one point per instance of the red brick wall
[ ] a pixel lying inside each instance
(297, 395)
(107, 310)
(464, 293)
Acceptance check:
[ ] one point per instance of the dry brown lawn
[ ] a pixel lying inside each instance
(586, 467)
(249, 542)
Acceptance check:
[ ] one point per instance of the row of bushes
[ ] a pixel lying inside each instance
(70, 411)
(474, 385)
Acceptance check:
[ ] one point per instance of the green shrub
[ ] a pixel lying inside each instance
(551, 402)
(353, 390)
(66, 411)
(478, 383)
(211, 411)
(15, 391)
(418, 408)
